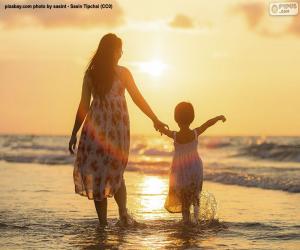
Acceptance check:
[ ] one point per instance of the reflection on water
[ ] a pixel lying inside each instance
(153, 185)
(153, 194)
(153, 234)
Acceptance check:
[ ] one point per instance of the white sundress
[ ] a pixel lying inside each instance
(186, 176)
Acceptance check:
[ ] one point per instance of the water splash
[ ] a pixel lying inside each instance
(208, 208)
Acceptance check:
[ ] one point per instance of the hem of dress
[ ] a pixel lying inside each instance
(85, 195)
(173, 212)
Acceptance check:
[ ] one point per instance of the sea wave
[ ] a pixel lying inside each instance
(252, 180)
(157, 152)
(285, 179)
(48, 159)
(272, 151)
(153, 156)
(282, 179)
(66, 159)
(38, 147)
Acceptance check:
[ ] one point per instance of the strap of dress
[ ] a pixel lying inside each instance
(174, 136)
(195, 132)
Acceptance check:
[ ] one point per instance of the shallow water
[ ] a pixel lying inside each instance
(39, 210)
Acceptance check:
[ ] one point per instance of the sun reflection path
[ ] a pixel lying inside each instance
(153, 194)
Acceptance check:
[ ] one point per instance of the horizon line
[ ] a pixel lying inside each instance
(148, 134)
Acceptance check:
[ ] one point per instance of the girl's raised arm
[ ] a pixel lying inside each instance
(209, 123)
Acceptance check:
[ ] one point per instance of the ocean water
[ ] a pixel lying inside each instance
(40, 210)
(255, 182)
(268, 163)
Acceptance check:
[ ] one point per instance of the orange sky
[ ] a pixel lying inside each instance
(228, 58)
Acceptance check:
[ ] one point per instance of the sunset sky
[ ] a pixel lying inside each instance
(225, 57)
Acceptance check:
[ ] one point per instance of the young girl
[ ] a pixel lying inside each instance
(186, 175)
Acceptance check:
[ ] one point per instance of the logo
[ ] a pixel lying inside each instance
(283, 9)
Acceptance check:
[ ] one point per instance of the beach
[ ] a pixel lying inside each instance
(39, 210)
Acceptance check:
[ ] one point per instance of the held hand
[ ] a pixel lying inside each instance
(222, 118)
(72, 144)
(158, 125)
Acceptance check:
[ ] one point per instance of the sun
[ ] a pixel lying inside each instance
(154, 67)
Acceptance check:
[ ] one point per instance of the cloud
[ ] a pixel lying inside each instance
(58, 18)
(182, 21)
(253, 12)
(256, 14)
(294, 27)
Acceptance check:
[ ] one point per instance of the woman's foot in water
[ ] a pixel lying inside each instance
(103, 223)
(126, 219)
(101, 208)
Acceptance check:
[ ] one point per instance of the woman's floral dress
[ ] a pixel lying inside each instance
(103, 147)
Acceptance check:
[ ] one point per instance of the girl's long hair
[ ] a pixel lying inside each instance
(101, 66)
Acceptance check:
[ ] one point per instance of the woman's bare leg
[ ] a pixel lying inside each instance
(121, 199)
(101, 208)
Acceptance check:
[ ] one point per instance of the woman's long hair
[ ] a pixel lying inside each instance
(101, 66)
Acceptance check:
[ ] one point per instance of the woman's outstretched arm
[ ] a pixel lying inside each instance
(82, 111)
(139, 100)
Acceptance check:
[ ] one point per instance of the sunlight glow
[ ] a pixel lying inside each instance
(153, 67)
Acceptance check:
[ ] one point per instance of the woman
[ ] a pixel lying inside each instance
(104, 141)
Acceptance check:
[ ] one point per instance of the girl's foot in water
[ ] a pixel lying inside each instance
(186, 221)
(186, 218)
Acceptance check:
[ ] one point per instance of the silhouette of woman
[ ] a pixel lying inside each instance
(103, 147)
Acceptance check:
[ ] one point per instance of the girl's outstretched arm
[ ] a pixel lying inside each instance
(209, 123)
(166, 131)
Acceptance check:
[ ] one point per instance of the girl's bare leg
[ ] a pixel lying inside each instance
(186, 212)
(186, 216)
(196, 206)
(101, 208)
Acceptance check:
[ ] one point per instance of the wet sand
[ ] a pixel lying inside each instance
(39, 209)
